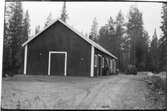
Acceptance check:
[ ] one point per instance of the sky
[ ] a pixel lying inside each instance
(81, 14)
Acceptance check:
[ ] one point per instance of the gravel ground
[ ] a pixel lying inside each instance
(56, 92)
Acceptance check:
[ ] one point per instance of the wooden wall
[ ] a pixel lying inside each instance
(59, 38)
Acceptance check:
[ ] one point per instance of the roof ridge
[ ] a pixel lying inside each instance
(91, 42)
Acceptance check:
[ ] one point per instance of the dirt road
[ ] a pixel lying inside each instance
(123, 92)
(110, 92)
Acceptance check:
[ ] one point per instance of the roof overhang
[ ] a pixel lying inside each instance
(91, 42)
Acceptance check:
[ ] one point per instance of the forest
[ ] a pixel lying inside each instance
(129, 41)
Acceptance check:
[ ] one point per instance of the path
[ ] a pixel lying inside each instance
(110, 92)
(122, 92)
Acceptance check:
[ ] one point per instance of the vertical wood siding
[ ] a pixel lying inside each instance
(59, 38)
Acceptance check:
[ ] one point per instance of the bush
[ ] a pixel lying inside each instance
(131, 69)
(158, 83)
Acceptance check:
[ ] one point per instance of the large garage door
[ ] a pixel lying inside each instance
(57, 63)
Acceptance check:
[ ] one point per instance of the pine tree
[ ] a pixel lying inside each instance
(120, 31)
(146, 60)
(64, 15)
(154, 52)
(163, 39)
(26, 26)
(111, 25)
(135, 32)
(6, 50)
(15, 32)
(49, 20)
(7, 61)
(37, 29)
(107, 36)
(93, 33)
(24, 37)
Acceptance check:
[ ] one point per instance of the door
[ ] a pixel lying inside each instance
(57, 64)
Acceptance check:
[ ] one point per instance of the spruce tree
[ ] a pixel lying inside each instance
(49, 20)
(107, 36)
(146, 60)
(26, 26)
(135, 33)
(24, 37)
(93, 33)
(37, 29)
(120, 31)
(6, 50)
(7, 60)
(154, 52)
(64, 15)
(163, 39)
(16, 34)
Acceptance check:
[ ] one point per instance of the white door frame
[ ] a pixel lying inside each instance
(65, 64)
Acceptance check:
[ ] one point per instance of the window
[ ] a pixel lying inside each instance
(95, 61)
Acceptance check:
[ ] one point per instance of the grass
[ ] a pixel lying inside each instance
(65, 92)
(159, 84)
(157, 93)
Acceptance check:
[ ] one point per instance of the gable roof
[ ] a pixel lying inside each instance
(91, 42)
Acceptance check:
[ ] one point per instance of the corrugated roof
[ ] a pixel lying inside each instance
(91, 42)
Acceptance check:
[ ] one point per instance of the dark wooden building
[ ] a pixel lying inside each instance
(61, 50)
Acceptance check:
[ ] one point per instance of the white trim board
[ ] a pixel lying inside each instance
(92, 61)
(65, 64)
(25, 59)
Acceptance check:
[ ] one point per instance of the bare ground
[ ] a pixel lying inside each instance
(56, 92)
